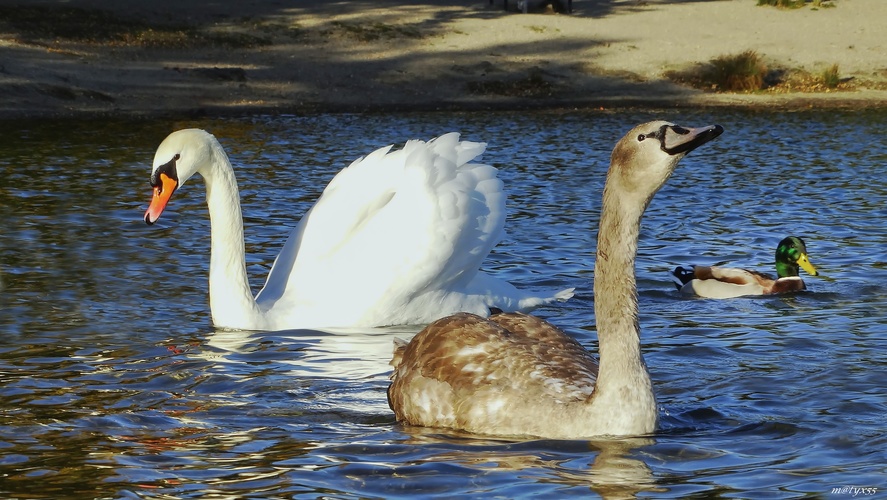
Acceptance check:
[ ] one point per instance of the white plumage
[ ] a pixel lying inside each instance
(397, 237)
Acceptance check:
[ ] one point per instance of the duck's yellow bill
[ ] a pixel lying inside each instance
(804, 262)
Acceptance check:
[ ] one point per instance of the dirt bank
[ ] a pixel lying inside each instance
(84, 57)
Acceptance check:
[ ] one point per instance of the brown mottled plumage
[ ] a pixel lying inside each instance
(489, 359)
(515, 374)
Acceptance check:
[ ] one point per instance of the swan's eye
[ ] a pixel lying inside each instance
(641, 137)
(176, 157)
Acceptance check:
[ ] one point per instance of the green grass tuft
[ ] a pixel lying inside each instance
(831, 77)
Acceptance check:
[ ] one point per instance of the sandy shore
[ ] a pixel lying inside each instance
(298, 56)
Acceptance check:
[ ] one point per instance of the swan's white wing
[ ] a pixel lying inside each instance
(390, 236)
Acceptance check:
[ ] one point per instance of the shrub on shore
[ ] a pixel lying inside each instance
(745, 71)
(831, 77)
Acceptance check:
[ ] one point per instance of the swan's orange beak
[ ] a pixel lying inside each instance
(162, 192)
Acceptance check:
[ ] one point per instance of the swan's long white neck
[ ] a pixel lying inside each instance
(623, 386)
(230, 298)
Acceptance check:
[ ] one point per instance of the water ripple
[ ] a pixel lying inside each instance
(113, 383)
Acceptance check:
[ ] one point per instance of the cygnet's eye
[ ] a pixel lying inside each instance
(648, 135)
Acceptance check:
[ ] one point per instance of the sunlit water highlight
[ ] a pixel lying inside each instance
(113, 383)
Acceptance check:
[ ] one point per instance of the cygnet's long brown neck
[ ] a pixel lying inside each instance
(615, 287)
(623, 383)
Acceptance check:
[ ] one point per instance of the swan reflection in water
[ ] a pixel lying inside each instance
(342, 353)
(335, 382)
(332, 370)
(338, 378)
(614, 469)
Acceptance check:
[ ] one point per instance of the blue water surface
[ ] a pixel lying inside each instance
(114, 384)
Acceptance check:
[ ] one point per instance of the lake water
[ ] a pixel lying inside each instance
(113, 383)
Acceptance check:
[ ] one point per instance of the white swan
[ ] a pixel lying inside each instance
(515, 374)
(395, 238)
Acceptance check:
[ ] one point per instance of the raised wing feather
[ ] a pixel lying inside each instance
(406, 222)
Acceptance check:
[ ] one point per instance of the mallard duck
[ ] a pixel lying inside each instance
(727, 282)
(518, 375)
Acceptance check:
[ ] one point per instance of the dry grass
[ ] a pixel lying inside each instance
(828, 80)
(373, 31)
(730, 73)
(47, 24)
(831, 77)
(747, 72)
(796, 4)
(783, 4)
(533, 85)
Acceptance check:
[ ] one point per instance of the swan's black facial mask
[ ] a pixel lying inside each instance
(168, 169)
(164, 180)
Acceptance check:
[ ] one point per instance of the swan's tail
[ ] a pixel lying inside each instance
(400, 345)
(564, 294)
(530, 303)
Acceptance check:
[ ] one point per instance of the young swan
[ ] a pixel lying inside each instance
(518, 375)
(729, 282)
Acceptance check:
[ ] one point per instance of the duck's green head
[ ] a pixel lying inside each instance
(791, 253)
